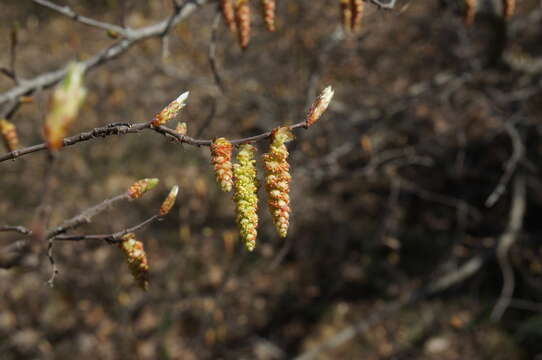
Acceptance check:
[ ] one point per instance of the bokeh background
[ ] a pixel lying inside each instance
(389, 191)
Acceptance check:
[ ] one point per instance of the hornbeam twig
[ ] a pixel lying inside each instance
(122, 129)
(20, 229)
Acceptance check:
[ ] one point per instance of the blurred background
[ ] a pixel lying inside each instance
(412, 196)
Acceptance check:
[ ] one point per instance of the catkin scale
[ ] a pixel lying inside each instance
(221, 158)
(229, 15)
(242, 19)
(245, 195)
(278, 178)
(269, 7)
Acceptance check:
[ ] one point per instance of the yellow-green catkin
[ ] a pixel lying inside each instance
(277, 179)
(245, 196)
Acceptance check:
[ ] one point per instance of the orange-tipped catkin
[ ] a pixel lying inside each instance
(277, 179)
(136, 258)
(221, 159)
(470, 11)
(229, 15)
(8, 131)
(245, 196)
(169, 201)
(170, 111)
(346, 14)
(357, 6)
(508, 8)
(319, 106)
(269, 7)
(242, 19)
(140, 187)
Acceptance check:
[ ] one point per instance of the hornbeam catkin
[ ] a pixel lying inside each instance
(319, 106)
(136, 258)
(269, 7)
(277, 179)
(245, 197)
(8, 131)
(508, 8)
(470, 11)
(170, 111)
(229, 16)
(169, 201)
(242, 19)
(346, 14)
(357, 7)
(221, 159)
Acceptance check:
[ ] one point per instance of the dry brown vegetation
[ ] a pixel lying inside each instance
(413, 197)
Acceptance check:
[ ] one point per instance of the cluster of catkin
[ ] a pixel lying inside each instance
(351, 14)
(242, 176)
(237, 15)
(471, 7)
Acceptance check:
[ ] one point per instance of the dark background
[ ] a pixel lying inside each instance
(389, 188)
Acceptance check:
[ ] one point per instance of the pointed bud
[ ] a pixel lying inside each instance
(319, 106)
(277, 179)
(221, 159)
(140, 187)
(269, 7)
(242, 19)
(227, 12)
(245, 196)
(8, 131)
(181, 128)
(170, 111)
(136, 258)
(64, 105)
(169, 201)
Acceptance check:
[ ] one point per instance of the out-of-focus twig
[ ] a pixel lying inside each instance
(48, 79)
(507, 239)
(212, 53)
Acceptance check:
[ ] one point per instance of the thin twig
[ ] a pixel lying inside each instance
(122, 129)
(507, 239)
(518, 151)
(20, 229)
(48, 79)
(212, 52)
(67, 11)
(113, 237)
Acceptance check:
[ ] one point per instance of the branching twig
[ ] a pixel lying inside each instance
(116, 129)
(48, 79)
(67, 11)
(113, 237)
